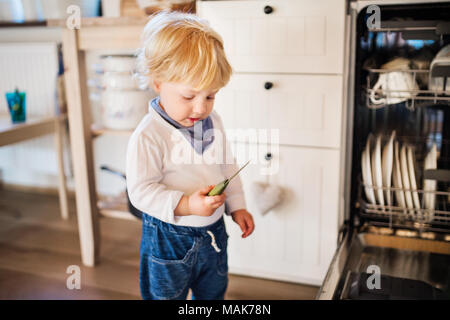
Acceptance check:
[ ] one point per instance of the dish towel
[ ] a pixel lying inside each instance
(265, 196)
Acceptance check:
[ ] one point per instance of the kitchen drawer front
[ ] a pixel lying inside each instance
(305, 110)
(296, 240)
(299, 36)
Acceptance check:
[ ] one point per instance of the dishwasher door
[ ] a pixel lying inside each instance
(409, 268)
(334, 277)
(398, 260)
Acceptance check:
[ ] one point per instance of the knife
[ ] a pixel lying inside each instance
(219, 188)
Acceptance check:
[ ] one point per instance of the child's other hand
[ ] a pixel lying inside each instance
(201, 204)
(245, 220)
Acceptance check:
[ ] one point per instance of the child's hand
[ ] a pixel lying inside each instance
(201, 204)
(245, 220)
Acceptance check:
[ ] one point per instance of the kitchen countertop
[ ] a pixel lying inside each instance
(101, 21)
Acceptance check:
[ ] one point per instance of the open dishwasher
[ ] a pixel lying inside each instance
(395, 240)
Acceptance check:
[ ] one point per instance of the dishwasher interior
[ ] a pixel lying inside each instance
(398, 221)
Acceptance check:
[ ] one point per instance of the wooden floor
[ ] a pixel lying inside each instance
(37, 246)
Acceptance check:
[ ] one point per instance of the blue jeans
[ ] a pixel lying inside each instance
(176, 258)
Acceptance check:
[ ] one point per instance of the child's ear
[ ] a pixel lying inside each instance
(156, 85)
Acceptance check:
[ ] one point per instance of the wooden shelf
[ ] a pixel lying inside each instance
(117, 213)
(114, 209)
(99, 130)
(33, 127)
(11, 24)
(85, 22)
(101, 21)
(94, 34)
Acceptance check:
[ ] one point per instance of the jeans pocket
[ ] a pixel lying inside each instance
(168, 280)
(170, 263)
(171, 248)
(222, 259)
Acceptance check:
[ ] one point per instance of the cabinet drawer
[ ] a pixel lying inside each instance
(296, 240)
(304, 109)
(298, 36)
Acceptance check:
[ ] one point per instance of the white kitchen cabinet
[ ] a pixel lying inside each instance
(306, 109)
(287, 57)
(297, 36)
(296, 240)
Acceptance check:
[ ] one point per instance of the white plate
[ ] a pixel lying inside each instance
(367, 173)
(412, 178)
(376, 171)
(387, 162)
(429, 186)
(405, 179)
(397, 177)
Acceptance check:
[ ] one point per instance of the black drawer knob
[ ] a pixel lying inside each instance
(268, 156)
(268, 9)
(268, 85)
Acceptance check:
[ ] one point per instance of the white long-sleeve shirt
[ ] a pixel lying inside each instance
(161, 166)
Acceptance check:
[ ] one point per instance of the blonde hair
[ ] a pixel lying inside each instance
(181, 47)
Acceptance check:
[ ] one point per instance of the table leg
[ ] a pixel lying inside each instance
(81, 147)
(59, 136)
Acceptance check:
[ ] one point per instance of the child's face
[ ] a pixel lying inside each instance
(183, 104)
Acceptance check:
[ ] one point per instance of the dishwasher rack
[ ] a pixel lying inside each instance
(415, 97)
(423, 217)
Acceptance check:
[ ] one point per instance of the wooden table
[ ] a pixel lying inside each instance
(34, 127)
(94, 34)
